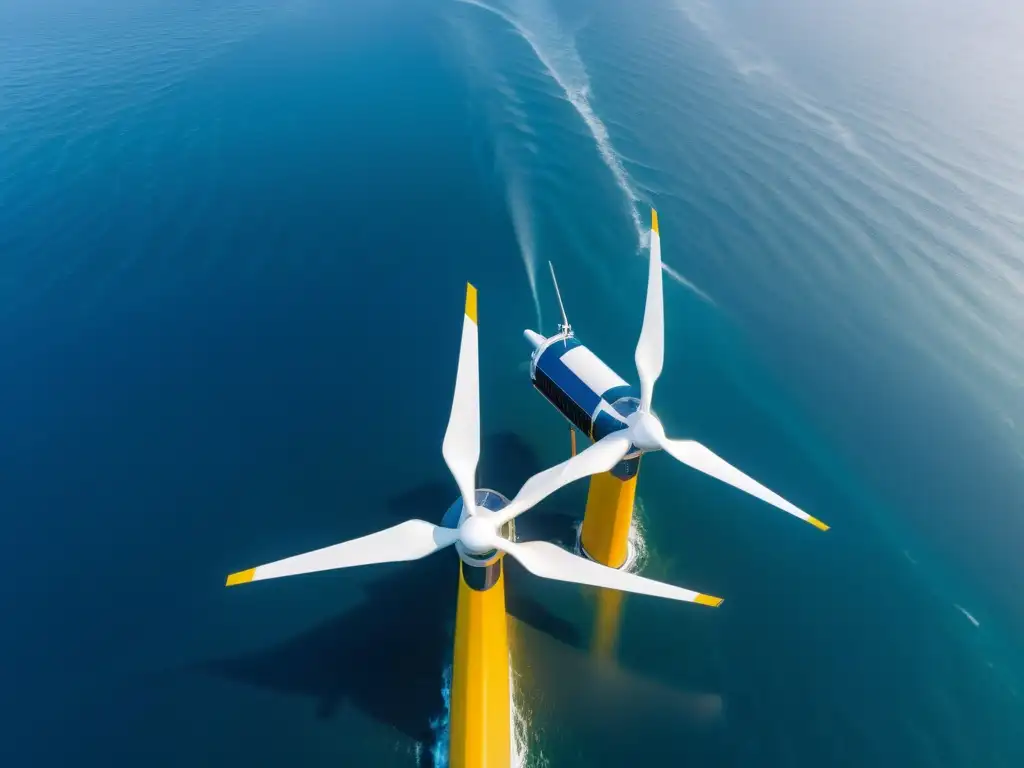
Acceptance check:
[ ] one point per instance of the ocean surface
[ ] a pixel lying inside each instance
(234, 242)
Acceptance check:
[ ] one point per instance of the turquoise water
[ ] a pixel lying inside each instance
(235, 236)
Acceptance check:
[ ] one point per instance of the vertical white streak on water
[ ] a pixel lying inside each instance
(509, 145)
(518, 720)
(522, 223)
(441, 725)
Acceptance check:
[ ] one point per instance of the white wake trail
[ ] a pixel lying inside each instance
(522, 224)
(567, 70)
(577, 90)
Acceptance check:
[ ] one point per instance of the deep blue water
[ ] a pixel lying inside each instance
(234, 237)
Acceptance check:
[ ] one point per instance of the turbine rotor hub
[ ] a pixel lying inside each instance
(477, 535)
(645, 431)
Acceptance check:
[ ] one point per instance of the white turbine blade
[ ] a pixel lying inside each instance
(550, 562)
(695, 455)
(650, 350)
(410, 540)
(600, 457)
(461, 447)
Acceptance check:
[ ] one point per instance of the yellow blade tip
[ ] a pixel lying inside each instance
(471, 302)
(711, 600)
(654, 220)
(817, 523)
(242, 577)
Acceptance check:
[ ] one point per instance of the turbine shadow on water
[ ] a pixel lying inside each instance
(395, 640)
(399, 638)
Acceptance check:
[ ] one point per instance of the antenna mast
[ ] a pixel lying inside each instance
(564, 327)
